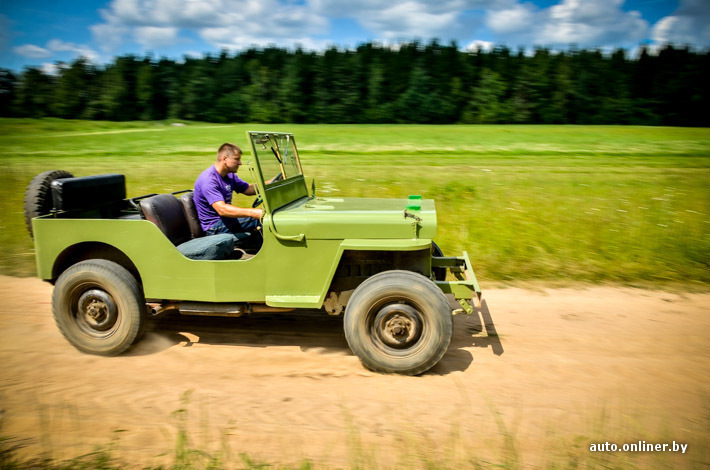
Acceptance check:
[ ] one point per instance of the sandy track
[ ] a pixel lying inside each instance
(567, 366)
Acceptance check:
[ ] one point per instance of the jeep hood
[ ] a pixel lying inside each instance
(363, 218)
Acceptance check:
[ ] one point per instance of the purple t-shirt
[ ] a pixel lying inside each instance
(210, 187)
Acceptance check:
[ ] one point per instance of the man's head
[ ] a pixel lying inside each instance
(229, 157)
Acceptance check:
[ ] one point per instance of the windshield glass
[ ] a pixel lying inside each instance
(277, 155)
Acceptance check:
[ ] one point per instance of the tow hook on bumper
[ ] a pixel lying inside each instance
(465, 307)
(465, 288)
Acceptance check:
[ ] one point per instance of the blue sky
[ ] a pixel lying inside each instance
(41, 33)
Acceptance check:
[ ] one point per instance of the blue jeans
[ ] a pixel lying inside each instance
(248, 227)
(219, 246)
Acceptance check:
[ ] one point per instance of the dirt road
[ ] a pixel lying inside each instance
(531, 379)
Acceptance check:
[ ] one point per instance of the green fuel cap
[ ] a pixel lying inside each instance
(414, 202)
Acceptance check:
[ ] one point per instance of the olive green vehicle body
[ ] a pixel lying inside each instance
(312, 246)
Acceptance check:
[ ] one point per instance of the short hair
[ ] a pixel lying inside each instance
(228, 149)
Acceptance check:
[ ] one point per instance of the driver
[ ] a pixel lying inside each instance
(213, 197)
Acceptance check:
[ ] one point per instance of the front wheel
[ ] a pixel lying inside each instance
(439, 273)
(98, 307)
(398, 322)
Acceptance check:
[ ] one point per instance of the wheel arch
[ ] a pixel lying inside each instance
(92, 250)
(369, 262)
(354, 265)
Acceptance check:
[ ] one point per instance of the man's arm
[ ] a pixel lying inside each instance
(250, 191)
(228, 210)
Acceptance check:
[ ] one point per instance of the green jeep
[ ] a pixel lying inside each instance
(115, 260)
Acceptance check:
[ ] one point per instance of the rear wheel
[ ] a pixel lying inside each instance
(398, 322)
(98, 307)
(38, 195)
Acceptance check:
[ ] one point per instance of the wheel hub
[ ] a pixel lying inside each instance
(97, 309)
(398, 325)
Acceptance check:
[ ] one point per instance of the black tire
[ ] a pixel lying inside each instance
(398, 322)
(439, 273)
(38, 195)
(99, 308)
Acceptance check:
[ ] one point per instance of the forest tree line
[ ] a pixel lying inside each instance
(414, 83)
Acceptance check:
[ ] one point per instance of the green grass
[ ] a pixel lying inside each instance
(548, 203)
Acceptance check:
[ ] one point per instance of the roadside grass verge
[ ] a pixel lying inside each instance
(466, 445)
(587, 204)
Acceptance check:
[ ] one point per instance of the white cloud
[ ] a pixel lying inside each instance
(262, 25)
(224, 38)
(224, 23)
(241, 23)
(236, 24)
(479, 45)
(53, 46)
(594, 23)
(689, 24)
(49, 68)
(154, 36)
(359, 9)
(517, 19)
(407, 19)
(584, 22)
(174, 13)
(31, 51)
(664, 28)
(109, 36)
(588, 23)
(57, 45)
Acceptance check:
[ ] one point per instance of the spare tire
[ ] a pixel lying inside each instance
(38, 196)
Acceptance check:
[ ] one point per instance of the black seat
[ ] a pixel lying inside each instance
(249, 243)
(166, 211)
(193, 221)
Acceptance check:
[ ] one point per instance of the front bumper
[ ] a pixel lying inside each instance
(465, 288)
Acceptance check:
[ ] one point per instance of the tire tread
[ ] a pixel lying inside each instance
(380, 362)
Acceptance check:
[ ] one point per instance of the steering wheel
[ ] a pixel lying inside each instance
(257, 202)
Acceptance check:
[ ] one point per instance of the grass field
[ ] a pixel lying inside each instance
(529, 203)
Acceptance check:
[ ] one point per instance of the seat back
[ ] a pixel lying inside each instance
(166, 211)
(88, 192)
(191, 213)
